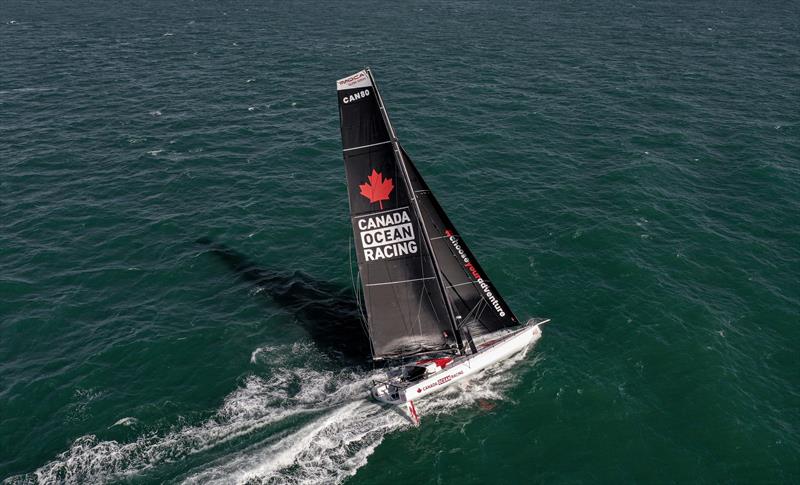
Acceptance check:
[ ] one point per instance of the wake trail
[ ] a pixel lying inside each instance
(299, 426)
(336, 444)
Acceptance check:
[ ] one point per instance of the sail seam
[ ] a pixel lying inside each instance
(460, 284)
(367, 146)
(402, 281)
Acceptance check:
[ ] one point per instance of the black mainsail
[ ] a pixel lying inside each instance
(421, 283)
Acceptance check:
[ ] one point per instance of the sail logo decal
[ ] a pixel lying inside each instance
(357, 80)
(377, 189)
(356, 96)
(487, 291)
(440, 381)
(387, 235)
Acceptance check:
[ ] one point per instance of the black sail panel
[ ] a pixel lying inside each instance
(474, 298)
(406, 311)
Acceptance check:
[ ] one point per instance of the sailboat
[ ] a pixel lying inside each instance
(432, 315)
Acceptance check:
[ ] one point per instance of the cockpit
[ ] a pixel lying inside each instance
(414, 373)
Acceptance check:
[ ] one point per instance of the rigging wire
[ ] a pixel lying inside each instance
(356, 288)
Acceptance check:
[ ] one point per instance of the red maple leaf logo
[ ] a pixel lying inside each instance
(377, 189)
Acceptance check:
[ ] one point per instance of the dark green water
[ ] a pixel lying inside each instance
(631, 171)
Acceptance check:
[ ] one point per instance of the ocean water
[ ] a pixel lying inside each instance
(173, 222)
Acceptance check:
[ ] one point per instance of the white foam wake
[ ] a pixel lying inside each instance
(326, 450)
(324, 431)
(338, 442)
(255, 406)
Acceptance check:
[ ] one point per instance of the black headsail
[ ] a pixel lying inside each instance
(406, 309)
(473, 298)
(421, 282)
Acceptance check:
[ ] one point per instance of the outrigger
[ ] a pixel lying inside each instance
(431, 311)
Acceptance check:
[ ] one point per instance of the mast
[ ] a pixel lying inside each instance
(402, 164)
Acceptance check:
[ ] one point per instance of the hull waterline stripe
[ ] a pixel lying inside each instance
(402, 281)
(367, 146)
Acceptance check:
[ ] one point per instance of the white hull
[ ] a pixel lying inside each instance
(400, 391)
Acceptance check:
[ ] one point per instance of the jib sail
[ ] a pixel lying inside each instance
(474, 299)
(405, 305)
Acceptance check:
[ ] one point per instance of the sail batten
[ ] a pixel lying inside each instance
(402, 281)
(367, 146)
